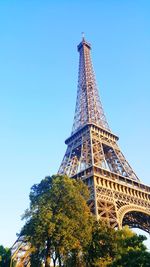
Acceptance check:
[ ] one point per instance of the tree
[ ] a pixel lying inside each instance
(102, 247)
(130, 250)
(58, 221)
(5, 255)
(116, 248)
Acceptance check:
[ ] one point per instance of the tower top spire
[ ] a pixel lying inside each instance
(83, 35)
(88, 105)
(83, 43)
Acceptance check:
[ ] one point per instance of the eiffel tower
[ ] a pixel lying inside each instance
(93, 155)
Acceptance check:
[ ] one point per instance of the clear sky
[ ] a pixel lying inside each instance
(38, 82)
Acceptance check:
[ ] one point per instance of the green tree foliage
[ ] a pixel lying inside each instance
(130, 250)
(116, 248)
(5, 255)
(102, 247)
(58, 222)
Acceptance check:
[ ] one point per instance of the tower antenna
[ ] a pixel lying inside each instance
(83, 35)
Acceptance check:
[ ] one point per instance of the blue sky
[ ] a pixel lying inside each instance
(38, 82)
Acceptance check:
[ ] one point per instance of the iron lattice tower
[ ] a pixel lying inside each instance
(93, 155)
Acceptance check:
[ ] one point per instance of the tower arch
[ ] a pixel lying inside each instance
(135, 217)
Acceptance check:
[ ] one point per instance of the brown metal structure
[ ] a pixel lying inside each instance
(21, 252)
(93, 155)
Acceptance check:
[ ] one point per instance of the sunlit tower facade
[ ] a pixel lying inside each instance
(93, 155)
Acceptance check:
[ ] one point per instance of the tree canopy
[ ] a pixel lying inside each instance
(5, 255)
(116, 248)
(58, 221)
